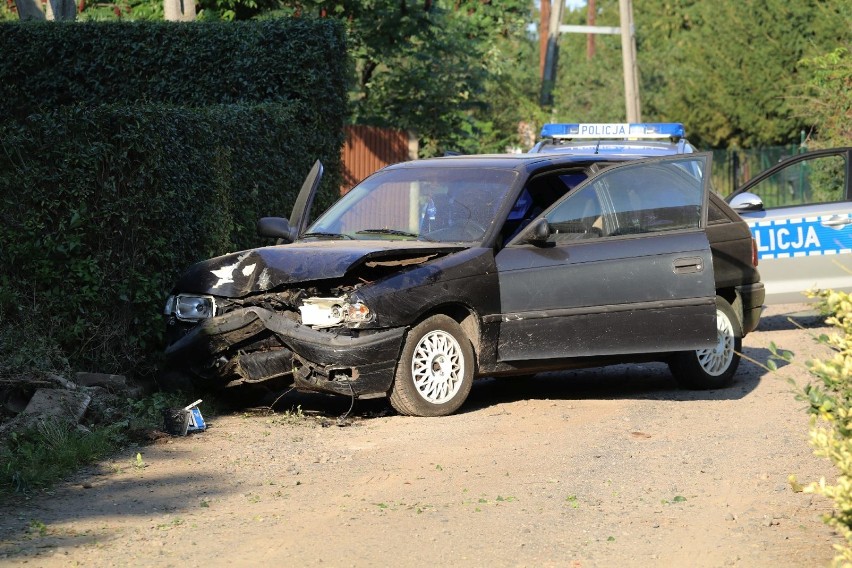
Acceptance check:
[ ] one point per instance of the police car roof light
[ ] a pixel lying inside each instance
(615, 131)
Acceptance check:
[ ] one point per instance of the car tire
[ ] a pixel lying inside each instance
(715, 367)
(435, 370)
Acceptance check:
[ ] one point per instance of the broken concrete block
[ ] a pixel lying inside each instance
(62, 381)
(63, 405)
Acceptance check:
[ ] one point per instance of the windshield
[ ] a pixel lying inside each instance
(431, 204)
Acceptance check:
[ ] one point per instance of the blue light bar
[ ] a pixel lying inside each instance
(615, 131)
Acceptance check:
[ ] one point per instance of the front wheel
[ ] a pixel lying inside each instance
(714, 367)
(435, 371)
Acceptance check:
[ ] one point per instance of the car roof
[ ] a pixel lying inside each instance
(624, 141)
(623, 149)
(505, 161)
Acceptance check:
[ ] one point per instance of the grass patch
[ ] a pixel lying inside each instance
(36, 458)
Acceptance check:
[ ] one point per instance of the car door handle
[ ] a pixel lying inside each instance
(837, 221)
(688, 265)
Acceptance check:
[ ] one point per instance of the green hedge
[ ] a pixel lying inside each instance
(103, 208)
(130, 151)
(47, 65)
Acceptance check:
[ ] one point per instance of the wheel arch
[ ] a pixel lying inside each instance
(463, 315)
(731, 296)
(434, 377)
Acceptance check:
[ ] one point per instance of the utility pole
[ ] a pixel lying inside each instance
(543, 25)
(628, 55)
(552, 53)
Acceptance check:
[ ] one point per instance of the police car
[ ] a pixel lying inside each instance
(800, 213)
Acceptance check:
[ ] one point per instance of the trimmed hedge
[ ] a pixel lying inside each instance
(51, 64)
(102, 206)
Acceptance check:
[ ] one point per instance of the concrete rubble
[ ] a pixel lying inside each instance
(87, 399)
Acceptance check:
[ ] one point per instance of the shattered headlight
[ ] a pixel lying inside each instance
(358, 313)
(330, 312)
(189, 307)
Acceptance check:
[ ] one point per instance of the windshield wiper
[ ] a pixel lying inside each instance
(387, 232)
(328, 235)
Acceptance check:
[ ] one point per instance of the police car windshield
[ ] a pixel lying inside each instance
(426, 203)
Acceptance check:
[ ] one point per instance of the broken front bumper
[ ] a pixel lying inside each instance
(362, 365)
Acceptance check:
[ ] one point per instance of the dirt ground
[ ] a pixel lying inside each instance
(611, 467)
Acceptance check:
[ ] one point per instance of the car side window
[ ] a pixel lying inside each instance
(578, 217)
(821, 179)
(634, 199)
(540, 193)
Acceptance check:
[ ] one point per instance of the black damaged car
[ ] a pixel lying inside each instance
(433, 272)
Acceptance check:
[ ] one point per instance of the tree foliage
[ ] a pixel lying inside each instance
(463, 74)
(726, 69)
(438, 67)
(825, 101)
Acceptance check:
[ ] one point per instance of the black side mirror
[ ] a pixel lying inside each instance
(538, 232)
(275, 228)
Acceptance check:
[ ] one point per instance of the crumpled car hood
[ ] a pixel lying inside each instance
(237, 274)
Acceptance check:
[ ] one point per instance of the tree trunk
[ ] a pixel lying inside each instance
(29, 10)
(61, 10)
(179, 10)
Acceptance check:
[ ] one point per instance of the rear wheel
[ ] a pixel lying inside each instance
(714, 367)
(435, 371)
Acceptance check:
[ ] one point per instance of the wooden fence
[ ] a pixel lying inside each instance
(369, 148)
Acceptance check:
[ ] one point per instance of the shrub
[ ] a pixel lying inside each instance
(102, 208)
(52, 64)
(130, 150)
(829, 401)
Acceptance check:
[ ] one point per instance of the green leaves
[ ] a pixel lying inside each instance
(433, 67)
(143, 155)
(777, 354)
(205, 63)
(829, 400)
(730, 70)
(825, 98)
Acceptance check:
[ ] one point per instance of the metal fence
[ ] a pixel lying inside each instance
(734, 167)
(371, 148)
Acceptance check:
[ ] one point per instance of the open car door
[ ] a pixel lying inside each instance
(625, 267)
(800, 214)
(287, 231)
(300, 216)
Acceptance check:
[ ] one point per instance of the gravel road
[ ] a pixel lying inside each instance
(613, 467)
